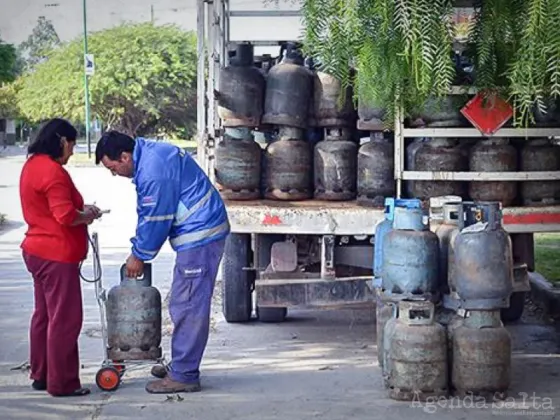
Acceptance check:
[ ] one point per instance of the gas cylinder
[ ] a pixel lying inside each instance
(493, 155)
(451, 297)
(329, 112)
(549, 118)
(417, 354)
(241, 90)
(388, 331)
(456, 321)
(540, 155)
(483, 259)
(410, 256)
(309, 64)
(481, 363)
(442, 112)
(439, 154)
(445, 232)
(370, 118)
(335, 161)
(385, 226)
(262, 137)
(288, 162)
(383, 312)
(289, 89)
(134, 318)
(238, 165)
(375, 171)
(264, 63)
(410, 163)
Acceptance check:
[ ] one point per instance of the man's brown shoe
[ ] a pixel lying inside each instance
(169, 386)
(159, 371)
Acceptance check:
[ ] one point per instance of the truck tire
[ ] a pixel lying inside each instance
(516, 306)
(237, 283)
(271, 314)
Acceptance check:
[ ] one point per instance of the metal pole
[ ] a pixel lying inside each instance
(201, 83)
(86, 81)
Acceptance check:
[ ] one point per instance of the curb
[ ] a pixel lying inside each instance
(545, 294)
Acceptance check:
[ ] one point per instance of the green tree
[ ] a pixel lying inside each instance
(145, 78)
(7, 62)
(8, 100)
(38, 46)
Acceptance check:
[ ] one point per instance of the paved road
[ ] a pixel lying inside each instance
(317, 365)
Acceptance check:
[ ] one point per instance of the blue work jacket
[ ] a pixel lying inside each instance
(176, 200)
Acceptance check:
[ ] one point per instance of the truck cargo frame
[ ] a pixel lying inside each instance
(342, 231)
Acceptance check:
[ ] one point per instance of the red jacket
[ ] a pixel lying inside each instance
(50, 202)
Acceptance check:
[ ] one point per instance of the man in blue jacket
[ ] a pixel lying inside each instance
(176, 200)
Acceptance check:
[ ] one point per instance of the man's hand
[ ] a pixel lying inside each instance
(134, 267)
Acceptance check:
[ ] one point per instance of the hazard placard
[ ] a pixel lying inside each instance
(487, 112)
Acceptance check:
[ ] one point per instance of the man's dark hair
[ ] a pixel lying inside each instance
(47, 141)
(112, 144)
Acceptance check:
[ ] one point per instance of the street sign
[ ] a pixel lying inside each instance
(487, 114)
(89, 64)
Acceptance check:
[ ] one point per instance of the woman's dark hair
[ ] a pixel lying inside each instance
(112, 144)
(47, 141)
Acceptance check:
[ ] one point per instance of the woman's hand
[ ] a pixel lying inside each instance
(88, 215)
(93, 210)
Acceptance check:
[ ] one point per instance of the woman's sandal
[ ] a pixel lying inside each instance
(80, 392)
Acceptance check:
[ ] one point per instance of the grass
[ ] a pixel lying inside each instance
(547, 256)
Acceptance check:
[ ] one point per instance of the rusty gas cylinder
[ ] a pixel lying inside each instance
(417, 354)
(134, 318)
(540, 155)
(493, 155)
(335, 161)
(288, 165)
(241, 90)
(439, 154)
(237, 166)
(481, 356)
(329, 112)
(375, 179)
(289, 91)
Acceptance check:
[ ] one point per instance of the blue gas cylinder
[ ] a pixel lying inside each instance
(410, 256)
(384, 227)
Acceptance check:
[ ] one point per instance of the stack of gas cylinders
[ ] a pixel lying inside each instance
(317, 145)
(306, 124)
(465, 267)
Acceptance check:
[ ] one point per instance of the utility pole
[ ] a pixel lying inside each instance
(86, 81)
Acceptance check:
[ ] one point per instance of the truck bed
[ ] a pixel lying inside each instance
(311, 217)
(316, 217)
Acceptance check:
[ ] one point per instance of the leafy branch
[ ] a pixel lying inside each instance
(401, 49)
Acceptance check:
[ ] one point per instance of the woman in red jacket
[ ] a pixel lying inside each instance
(54, 245)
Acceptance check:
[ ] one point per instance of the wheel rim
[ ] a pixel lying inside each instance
(108, 379)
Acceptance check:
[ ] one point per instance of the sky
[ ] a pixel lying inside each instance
(18, 17)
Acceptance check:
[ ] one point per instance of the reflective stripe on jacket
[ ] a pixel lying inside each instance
(176, 200)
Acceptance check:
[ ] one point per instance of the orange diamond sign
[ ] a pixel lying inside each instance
(488, 113)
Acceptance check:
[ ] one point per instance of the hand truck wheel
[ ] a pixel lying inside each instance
(108, 379)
